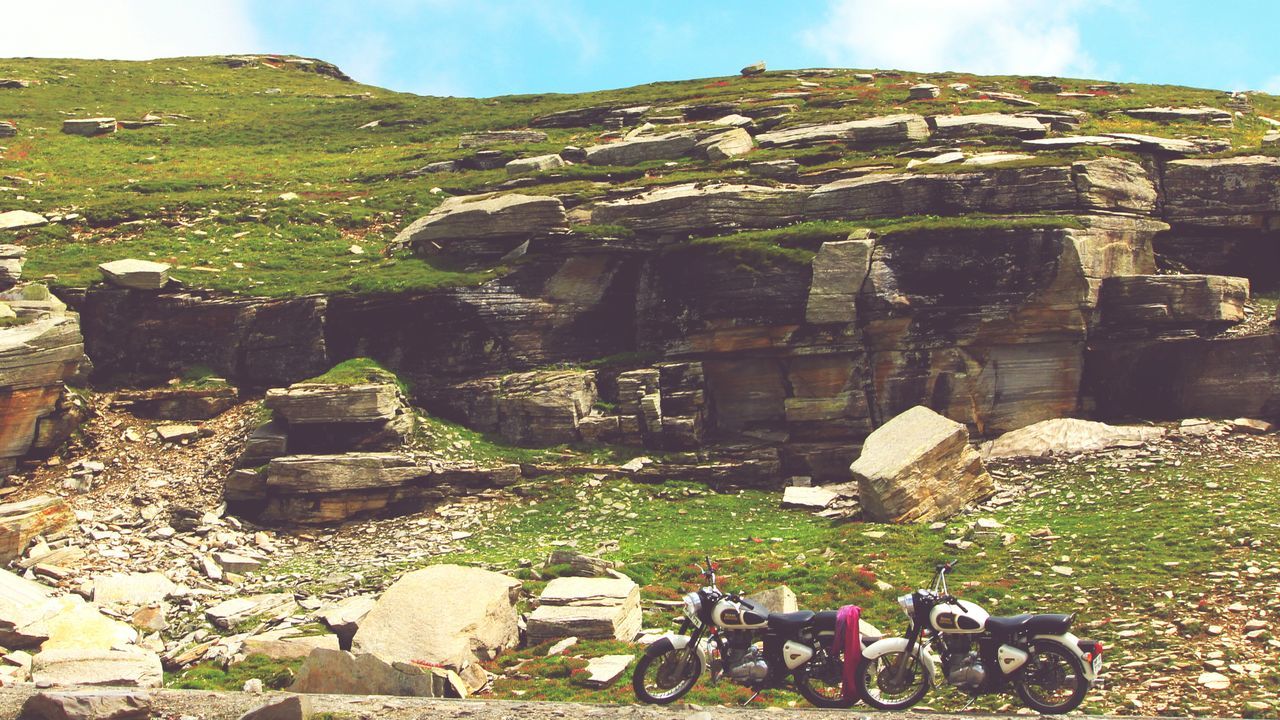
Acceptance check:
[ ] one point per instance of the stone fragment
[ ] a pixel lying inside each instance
(117, 590)
(446, 614)
(808, 498)
(90, 705)
(89, 126)
(579, 565)
(963, 126)
(1067, 436)
(20, 219)
(726, 145)
(7, 129)
(923, 91)
(538, 163)
(344, 616)
(24, 604)
(786, 169)
(21, 522)
(230, 613)
(641, 149)
(294, 707)
(177, 433)
(280, 645)
(587, 608)
(1045, 86)
(136, 274)
(178, 403)
(756, 68)
(122, 668)
(887, 130)
(1251, 426)
(919, 467)
(233, 563)
(603, 671)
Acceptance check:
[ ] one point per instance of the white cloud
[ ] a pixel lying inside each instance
(126, 29)
(1272, 86)
(1026, 37)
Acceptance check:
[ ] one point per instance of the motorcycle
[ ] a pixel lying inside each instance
(730, 636)
(1048, 667)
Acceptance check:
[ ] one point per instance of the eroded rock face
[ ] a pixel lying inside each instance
(1240, 192)
(1163, 304)
(533, 408)
(37, 357)
(919, 467)
(687, 209)
(21, 522)
(311, 403)
(445, 614)
(642, 149)
(839, 269)
(960, 126)
(887, 130)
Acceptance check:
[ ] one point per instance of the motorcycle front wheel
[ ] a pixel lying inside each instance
(883, 687)
(820, 682)
(665, 677)
(1052, 681)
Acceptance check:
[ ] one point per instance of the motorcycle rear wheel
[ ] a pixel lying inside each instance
(820, 682)
(665, 677)
(1052, 681)
(880, 689)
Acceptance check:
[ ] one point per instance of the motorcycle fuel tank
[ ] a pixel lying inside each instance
(739, 615)
(958, 617)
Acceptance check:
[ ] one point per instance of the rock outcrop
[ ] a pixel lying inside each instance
(888, 130)
(22, 522)
(136, 274)
(687, 209)
(1067, 436)
(484, 225)
(533, 408)
(919, 467)
(644, 148)
(1164, 304)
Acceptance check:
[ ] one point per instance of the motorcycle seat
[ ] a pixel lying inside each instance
(825, 620)
(1044, 624)
(790, 621)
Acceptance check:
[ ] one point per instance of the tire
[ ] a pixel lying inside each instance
(819, 681)
(1052, 681)
(891, 695)
(664, 686)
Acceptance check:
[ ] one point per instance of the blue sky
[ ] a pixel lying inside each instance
(492, 47)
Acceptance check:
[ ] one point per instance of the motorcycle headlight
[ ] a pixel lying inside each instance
(908, 604)
(692, 606)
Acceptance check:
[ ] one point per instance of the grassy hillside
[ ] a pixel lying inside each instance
(203, 190)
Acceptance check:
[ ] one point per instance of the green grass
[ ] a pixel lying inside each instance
(198, 194)
(274, 674)
(356, 371)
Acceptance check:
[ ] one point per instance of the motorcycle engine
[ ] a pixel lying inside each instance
(745, 664)
(966, 672)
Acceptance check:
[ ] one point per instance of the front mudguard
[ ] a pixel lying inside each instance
(884, 646)
(670, 642)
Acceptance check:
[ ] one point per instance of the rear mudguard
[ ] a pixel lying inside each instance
(1072, 644)
(884, 646)
(677, 642)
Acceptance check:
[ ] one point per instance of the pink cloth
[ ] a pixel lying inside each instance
(849, 641)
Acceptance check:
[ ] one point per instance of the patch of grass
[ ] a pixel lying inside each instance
(274, 674)
(356, 371)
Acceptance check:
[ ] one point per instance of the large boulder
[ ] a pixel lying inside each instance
(586, 608)
(136, 274)
(471, 222)
(1067, 436)
(642, 149)
(21, 522)
(919, 467)
(337, 672)
(445, 614)
(538, 163)
(726, 145)
(24, 605)
(888, 130)
(688, 209)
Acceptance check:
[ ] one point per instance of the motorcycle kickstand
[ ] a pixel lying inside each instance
(751, 699)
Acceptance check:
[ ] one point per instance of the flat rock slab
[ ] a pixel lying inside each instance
(99, 705)
(1171, 114)
(20, 522)
(136, 274)
(961, 126)
(228, 613)
(642, 149)
(486, 217)
(132, 590)
(887, 130)
(338, 672)
(296, 707)
(538, 163)
(808, 498)
(311, 403)
(177, 433)
(588, 608)
(19, 219)
(89, 126)
(121, 668)
(280, 645)
(603, 671)
(1067, 436)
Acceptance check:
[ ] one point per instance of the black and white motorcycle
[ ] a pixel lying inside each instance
(730, 636)
(1049, 668)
